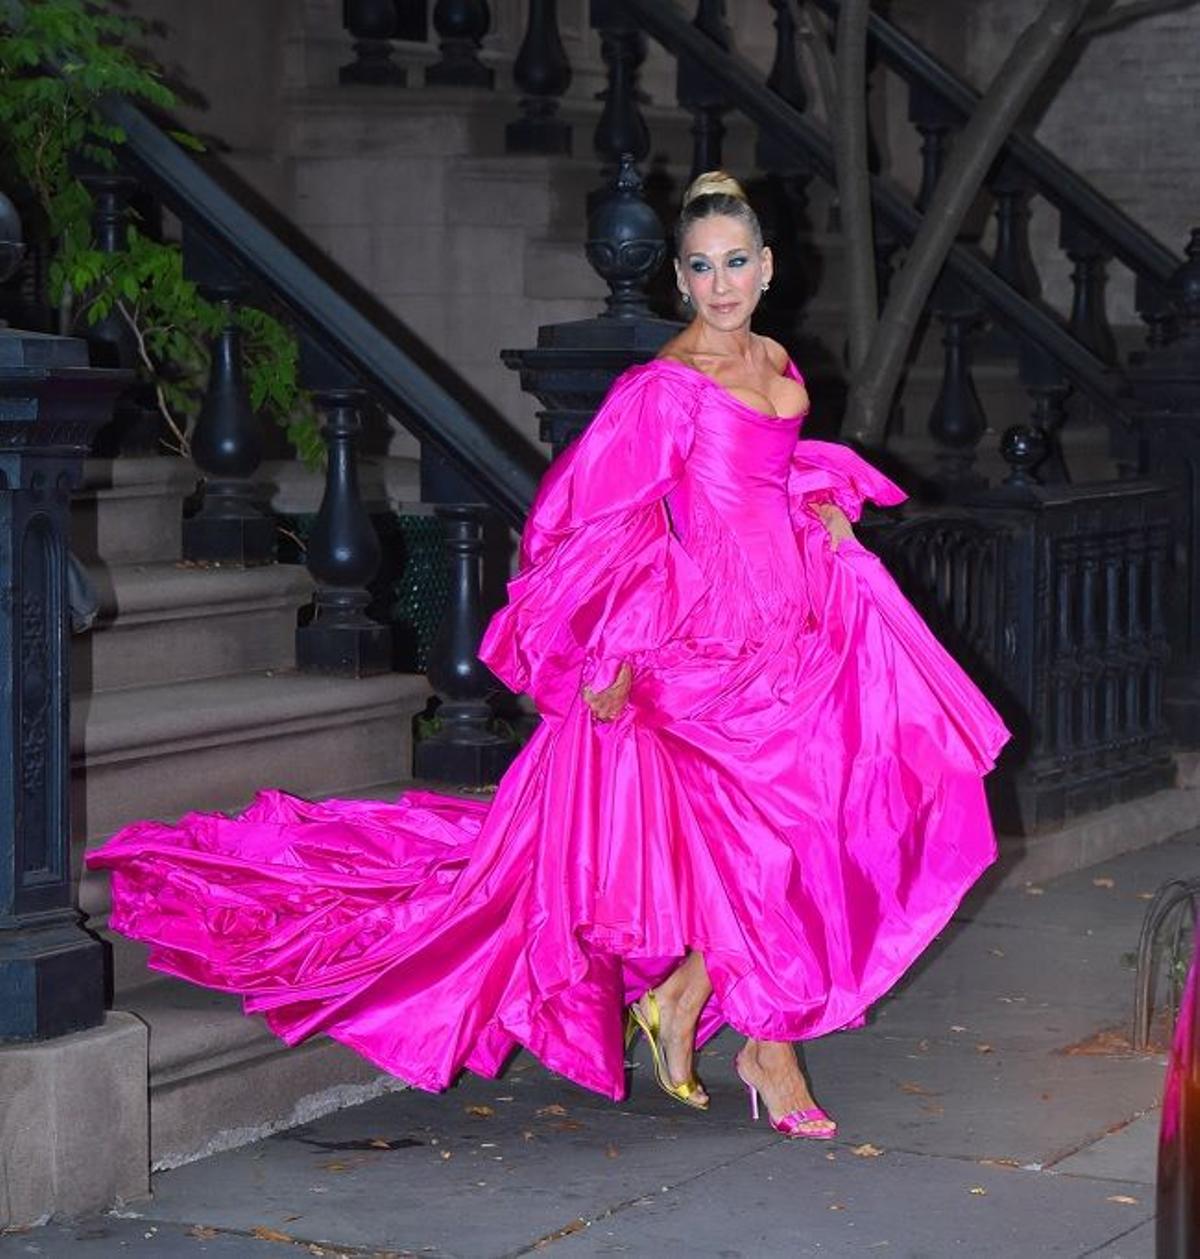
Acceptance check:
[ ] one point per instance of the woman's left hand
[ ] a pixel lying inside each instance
(836, 522)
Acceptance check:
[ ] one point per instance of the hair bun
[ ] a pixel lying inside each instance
(714, 183)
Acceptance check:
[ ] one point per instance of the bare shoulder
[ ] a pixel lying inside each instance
(776, 354)
(678, 351)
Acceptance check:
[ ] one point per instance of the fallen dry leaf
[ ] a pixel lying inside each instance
(996, 952)
(334, 1166)
(957, 1027)
(567, 1125)
(979, 1191)
(446, 1154)
(378, 1143)
(553, 1109)
(575, 1226)
(911, 1086)
(866, 1150)
(1123, 1198)
(1031, 890)
(837, 1206)
(1009, 1163)
(983, 1048)
(1104, 881)
(480, 1112)
(265, 1234)
(202, 1233)
(528, 1135)
(1145, 896)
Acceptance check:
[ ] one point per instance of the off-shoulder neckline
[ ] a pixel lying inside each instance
(790, 369)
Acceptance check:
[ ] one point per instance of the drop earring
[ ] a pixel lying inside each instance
(686, 298)
(766, 285)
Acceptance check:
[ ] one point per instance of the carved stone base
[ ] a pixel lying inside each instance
(349, 650)
(460, 72)
(51, 978)
(474, 764)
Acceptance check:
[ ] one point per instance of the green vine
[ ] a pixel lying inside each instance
(57, 58)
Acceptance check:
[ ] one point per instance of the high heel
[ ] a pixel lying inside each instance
(691, 1091)
(790, 1125)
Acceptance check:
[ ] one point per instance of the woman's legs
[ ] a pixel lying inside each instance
(681, 997)
(772, 1067)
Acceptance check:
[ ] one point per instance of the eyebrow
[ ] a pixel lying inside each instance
(741, 249)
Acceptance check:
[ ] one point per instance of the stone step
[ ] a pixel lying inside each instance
(220, 1079)
(157, 751)
(129, 510)
(170, 622)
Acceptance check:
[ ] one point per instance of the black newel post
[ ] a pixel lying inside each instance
(51, 406)
(1165, 380)
(700, 95)
(1089, 318)
(461, 26)
(372, 25)
(463, 748)
(957, 421)
(574, 363)
(542, 73)
(343, 552)
(229, 528)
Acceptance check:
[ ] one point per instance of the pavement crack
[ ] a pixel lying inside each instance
(580, 1223)
(1104, 1245)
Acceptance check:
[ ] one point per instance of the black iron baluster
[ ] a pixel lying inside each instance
(957, 421)
(226, 447)
(461, 26)
(1089, 319)
(934, 119)
(1011, 259)
(343, 552)
(1049, 389)
(1115, 653)
(372, 25)
(1153, 304)
(464, 748)
(703, 98)
(543, 74)
(621, 127)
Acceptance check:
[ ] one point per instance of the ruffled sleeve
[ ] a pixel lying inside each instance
(827, 472)
(602, 578)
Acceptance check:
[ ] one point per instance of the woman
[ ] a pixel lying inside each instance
(755, 796)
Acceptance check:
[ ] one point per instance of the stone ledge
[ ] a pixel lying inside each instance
(74, 1123)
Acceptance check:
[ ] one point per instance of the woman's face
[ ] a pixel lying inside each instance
(723, 271)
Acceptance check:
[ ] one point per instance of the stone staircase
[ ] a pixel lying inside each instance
(185, 697)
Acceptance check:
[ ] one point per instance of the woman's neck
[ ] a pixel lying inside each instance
(736, 344)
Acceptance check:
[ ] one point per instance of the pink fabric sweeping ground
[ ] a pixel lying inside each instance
(794, 789)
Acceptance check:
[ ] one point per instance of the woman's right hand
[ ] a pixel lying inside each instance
(607, 704)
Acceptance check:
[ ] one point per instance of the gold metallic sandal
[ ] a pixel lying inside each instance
(648, 1021)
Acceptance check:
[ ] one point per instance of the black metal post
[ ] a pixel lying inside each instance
(542, 73)
(229, 527)
(934, 119)
(957, 421)
(702, 97)
(461, 26)
(791, 172)
(1011, 259)
(464, 747)
(1165, 381)
(1089, 319)
(620, 127)
(343, 552)
(51, 406)
(372, 25)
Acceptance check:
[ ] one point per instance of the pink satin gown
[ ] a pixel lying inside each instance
(794, 789)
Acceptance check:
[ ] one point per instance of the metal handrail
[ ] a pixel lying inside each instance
(745, 90)
(1055, 180)
(497, 462)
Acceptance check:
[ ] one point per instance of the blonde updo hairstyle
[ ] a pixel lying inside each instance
(715, 192)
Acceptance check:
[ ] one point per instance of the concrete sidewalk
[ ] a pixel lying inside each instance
(966, 1128)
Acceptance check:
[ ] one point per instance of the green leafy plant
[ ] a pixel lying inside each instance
(57, 59)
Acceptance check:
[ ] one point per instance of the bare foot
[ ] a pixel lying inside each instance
(771, 1067)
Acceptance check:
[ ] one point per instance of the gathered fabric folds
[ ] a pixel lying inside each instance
(794, 788)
